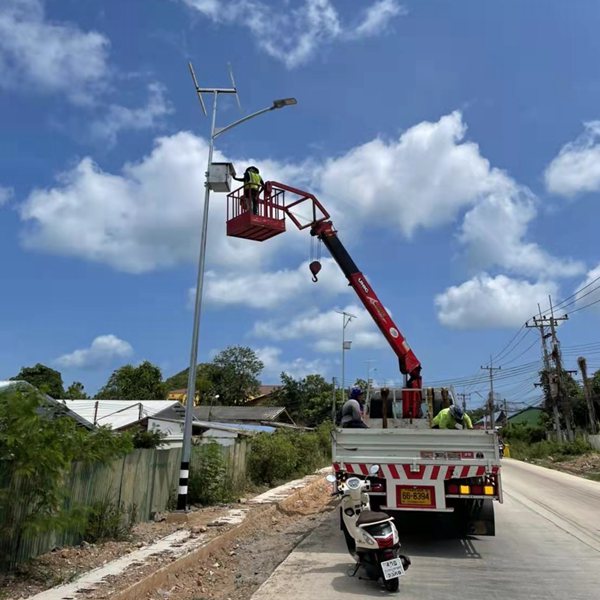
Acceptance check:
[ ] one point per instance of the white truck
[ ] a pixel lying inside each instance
(423, 469)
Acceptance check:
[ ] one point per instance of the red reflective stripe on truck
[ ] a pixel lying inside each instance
(435, 472)
(349, 468)
(364, 469)
(394, 471)
(464, 472)
(480, 471)
(336, 466)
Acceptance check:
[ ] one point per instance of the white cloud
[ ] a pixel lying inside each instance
(119, 118)
(296, 368)
(421, 180)
(494, 232)
(576, 169)
(269, 289)
(47, 56)
(589, 290)
(293, 33)
(484, 302)
(144, 218)
(147, 216)
(6, 194)
(103, 350)
(377, 18)
(323, 329)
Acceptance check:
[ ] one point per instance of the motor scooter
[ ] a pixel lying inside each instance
(371, 537)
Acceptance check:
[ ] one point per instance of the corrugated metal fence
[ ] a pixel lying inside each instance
(146, 479)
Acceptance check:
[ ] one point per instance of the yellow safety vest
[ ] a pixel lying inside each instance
(254, 182)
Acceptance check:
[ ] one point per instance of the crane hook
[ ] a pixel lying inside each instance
(315, 267)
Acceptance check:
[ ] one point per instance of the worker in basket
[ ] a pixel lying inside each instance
(253, 184)
(353, 410)
(449, 418)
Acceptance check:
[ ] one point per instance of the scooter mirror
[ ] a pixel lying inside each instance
(374, 469)
(330, 478)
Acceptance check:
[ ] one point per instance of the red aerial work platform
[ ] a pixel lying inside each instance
(272, 210)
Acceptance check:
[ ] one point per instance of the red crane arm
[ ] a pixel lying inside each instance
(317, 218)
(409, 363)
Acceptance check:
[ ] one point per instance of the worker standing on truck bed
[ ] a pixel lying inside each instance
(449, 418)
(352, 410)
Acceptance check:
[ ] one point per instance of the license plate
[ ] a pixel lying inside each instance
(392, 568)
(415, 496)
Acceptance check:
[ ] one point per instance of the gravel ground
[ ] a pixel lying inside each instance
(586, 465)
(234, 571)
(63, 565)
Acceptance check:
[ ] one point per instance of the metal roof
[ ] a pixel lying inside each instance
(241, 413)
(121, 413)
(244, 428)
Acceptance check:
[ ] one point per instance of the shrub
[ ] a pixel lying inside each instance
(272, 457)
(547, 448)
(281, 455)
(209, 483)
(108, 520)
(523, 433)
(148, 439)
(38, 445)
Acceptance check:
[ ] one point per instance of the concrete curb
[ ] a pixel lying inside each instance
(166, 575)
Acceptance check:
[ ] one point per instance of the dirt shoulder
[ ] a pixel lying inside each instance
(231, 570)
(586, 465)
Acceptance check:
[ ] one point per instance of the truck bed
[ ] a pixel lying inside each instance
(416, 446)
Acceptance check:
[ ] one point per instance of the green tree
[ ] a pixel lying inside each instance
(44, 378)
(143, 382)
(234, 375)
(204, 383)
(37, 451)
(307, 400)
(76, 391)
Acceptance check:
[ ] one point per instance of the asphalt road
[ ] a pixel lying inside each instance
(547, 547)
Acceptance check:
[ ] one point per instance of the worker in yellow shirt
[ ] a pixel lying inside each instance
(449, 418)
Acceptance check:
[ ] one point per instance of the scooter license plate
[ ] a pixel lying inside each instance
(392, 568)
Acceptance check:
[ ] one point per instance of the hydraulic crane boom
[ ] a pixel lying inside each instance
(322, 228)
(409, 363)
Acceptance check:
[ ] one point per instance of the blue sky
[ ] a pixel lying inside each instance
(456, 145)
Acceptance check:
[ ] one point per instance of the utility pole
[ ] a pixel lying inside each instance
(540, 323)
(562, 396)
(333, 400)
(505, 412)
(464, 397)
(588, 395)
(491, 370)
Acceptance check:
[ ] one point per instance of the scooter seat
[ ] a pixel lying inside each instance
(370, 516)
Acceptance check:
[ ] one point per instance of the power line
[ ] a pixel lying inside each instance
(586, 306)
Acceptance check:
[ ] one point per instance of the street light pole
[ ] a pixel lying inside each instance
(346, 318)
(191, 388)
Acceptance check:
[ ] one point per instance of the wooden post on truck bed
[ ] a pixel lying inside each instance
(385, 392)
